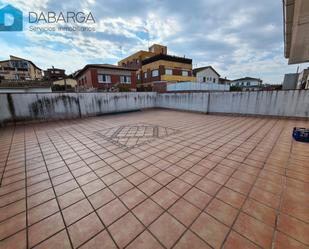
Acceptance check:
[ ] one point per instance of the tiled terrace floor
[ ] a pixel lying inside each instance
(154, 179)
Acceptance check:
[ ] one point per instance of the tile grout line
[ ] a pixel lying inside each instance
(67, 232)
(252, 186)
(213, 197)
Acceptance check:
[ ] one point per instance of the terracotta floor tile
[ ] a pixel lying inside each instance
(210, 230)
(254, 230)
(12, 225)
(190, 241)
(265, 197)
(208, 186)
(234, 240)
(133, 197)
(59, 241)
(231, 197)
(217, 177)
(197, 197)
(165, 198)
(70, 198)
(184, 211)
(167, 229)
(294, 228)
(175, 170)
(101, 198)
(125, 230)
(163, 178)
(121, 187)
(238, 186)
(65, 187)
(149, 187)
(40, 197)
(44, 229)
(296, 209)
(151, 170)
(111, 178)
(17, 241)
(93, 187)
(84, 229)
(260, 212)
(147, 211)
(100, 241)
(285, 242)
(222, 211)
(112, 211)
(12, 209)
(178, 186)
(76, 211)
(42, 211)
(145, 241)
(137, 178)
(190, 178)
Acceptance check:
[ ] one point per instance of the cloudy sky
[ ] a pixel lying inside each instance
(237, 37)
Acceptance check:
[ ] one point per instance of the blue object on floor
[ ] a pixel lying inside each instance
(301, 134)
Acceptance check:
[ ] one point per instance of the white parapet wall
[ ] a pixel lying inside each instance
(16, 107)
(48, 106)
(294, 103)
(197, 102)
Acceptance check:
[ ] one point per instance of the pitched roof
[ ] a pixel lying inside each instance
(196, 70)
(104, 66)
(247, 78)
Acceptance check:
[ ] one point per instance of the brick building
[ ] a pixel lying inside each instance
(105, 77)
(156, 68)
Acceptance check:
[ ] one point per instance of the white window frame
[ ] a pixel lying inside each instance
(145, 75)
(184, 73)
(169, 71)
(108, 79)
(155, 73)
(125, 79)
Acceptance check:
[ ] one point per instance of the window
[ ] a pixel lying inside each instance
(155, 73)
(125, 79)
(169, 71)
(104, 78)
(214, 80)
(248, 83)
(204, 79)
(145, 75)
(138, 76)
(184, 73)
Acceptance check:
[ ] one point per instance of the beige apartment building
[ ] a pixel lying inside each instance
(19, 69)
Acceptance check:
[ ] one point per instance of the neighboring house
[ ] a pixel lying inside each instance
(307, 84)
(157, 67)
(134, 61)
(54, 74)
(247, 83)
(206, 75)
(105, 77)
(290, 81)
(164, 68)
(69, 81)
(19, 69)
(302, 79)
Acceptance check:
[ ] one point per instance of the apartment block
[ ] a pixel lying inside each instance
(17, 68)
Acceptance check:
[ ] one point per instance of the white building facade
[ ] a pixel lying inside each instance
(206, 75)
(247, 83)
